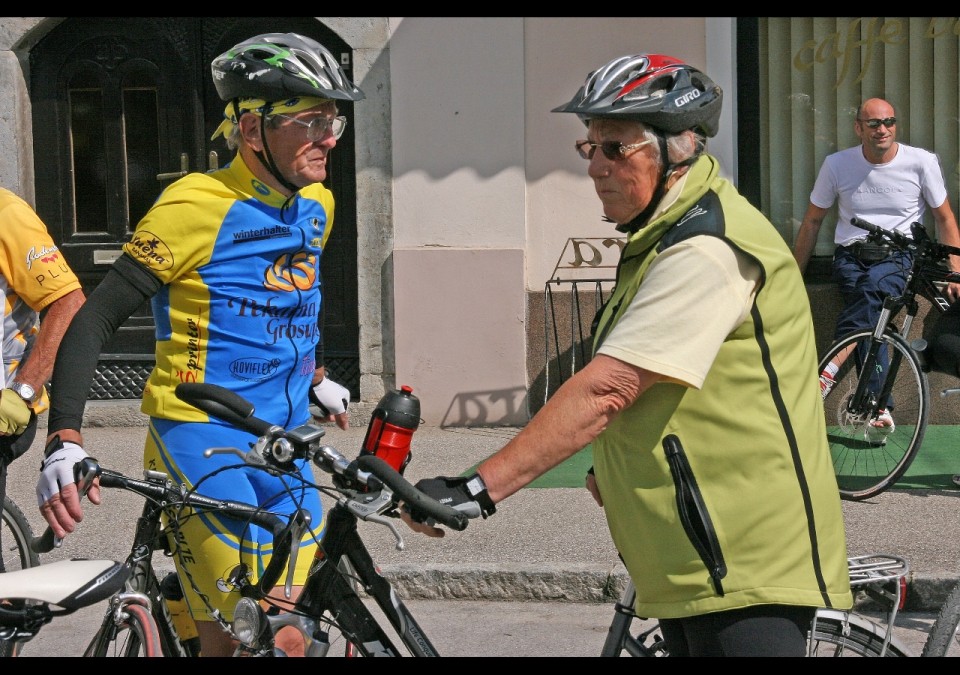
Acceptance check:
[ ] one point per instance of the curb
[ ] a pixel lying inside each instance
(584, 584)
(126, 413)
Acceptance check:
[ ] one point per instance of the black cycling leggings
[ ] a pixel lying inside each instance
(761, 630)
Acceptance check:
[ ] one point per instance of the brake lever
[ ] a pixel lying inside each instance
(249, 457)
(299, 528)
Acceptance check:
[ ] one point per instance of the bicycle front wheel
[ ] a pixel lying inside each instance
(15, 553)
(133, 633)
(844, 634)
(15, 538)
(943, 639)
(867, 458)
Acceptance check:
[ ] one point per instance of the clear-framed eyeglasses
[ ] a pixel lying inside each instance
(613, 150)
(318, 127)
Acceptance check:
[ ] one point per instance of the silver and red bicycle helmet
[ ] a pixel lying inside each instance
(279, 66)
(658, 90)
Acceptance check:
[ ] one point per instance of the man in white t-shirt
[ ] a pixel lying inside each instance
(889, 184)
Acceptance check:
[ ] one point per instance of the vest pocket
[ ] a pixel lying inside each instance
(693, 512)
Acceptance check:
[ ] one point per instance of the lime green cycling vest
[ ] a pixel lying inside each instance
(748, 512)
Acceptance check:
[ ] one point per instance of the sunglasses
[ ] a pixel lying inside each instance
(318, 127)
(612, 150)
(875, 123)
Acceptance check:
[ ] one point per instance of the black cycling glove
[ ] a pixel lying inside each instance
(467, 494)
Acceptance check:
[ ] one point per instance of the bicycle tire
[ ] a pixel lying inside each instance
(943, 639)
(865, 463)
(15, 537)
(135, 634)
(846, 634)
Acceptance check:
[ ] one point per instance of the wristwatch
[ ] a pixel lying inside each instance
(24, 391)
(478, 490)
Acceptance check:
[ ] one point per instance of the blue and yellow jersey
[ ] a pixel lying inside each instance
(241, 297)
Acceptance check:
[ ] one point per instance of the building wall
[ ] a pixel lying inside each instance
(468, 188)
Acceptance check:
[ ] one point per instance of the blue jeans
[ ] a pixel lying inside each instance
(863, 287)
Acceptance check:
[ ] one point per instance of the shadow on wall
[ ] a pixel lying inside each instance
(493, 408)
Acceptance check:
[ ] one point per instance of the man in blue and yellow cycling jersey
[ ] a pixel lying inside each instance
(231, 262)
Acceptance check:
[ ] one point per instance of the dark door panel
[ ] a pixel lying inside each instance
(122, 106)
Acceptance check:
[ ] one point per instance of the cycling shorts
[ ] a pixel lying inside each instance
(207, 548)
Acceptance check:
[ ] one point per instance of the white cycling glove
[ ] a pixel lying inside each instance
(330, 397)
(56, 470)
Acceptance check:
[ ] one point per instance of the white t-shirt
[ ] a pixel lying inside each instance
(891, 195)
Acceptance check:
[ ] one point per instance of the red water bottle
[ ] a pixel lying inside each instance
(391, 428)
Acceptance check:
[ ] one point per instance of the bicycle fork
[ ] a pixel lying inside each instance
(328, 588)
(866, 402)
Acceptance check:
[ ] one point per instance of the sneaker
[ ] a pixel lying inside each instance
(880, 427)
(826, 384)
(956, 479)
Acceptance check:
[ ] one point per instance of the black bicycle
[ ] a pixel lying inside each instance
(881, 578)
(332, 608)
(878, 403)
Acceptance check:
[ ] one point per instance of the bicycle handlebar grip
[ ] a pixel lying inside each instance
(864, 224)
(440, 512)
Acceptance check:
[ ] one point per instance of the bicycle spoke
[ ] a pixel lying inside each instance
(869, 458)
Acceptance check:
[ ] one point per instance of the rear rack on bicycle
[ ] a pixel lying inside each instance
(876, 568)
(881, 578)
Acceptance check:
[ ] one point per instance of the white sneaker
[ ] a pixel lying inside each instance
(956, 479)
(880, 427)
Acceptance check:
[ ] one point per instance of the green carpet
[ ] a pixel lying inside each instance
(934, 465)
(937, 461)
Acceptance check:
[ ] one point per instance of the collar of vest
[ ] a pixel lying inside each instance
(698, 180)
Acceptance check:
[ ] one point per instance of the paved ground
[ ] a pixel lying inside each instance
(543, 545)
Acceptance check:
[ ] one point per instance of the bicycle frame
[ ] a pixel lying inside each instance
(144, 585)
(327, 589)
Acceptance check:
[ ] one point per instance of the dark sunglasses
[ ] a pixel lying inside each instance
(612, 150)
(875, 123)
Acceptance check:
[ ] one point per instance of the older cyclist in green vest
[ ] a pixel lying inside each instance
(707, 336)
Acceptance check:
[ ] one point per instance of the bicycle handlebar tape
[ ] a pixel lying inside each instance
(408, 493)
(223, 404)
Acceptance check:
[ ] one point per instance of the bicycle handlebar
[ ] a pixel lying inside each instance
(278, 447)
(936, 250)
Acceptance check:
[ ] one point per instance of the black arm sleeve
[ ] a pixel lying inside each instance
(318, 355)
(125, 287)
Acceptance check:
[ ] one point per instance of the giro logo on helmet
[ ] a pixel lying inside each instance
(686, 98)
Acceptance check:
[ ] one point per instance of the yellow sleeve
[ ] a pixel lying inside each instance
(33, 266)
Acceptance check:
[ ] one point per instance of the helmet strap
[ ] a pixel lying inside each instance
(266, 158)
(641, 219)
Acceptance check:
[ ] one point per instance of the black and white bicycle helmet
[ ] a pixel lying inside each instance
(658, 90)
(278, 66)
